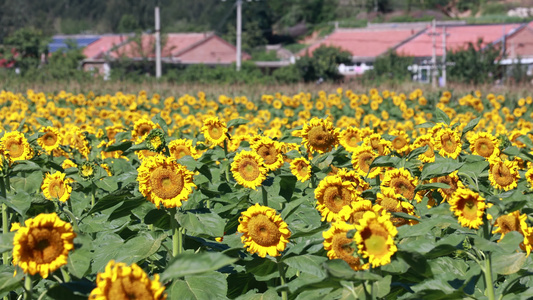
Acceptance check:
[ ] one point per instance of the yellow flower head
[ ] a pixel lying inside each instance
(301, 168)
(352, 176)
(392, 202)
(452, 180)
(378, 144)
(350, 138)
(353, 212)
(469, 207)
(121, 282)
(503, 174)
(15, 146)
(337, 243)
(511, 222)
(402, 183)
(141, 128)
(362, 158)
(421, 141)
(271, 152)
(214, 130)
(484, 144)
(182, 147)
(248, 170)
(55, 186)
(50, 139)
(163, 181)
(332, 194)
(264, 231)
(319, 135)
(401, 141)
(42, 245)
(375, 238)
(448, 142)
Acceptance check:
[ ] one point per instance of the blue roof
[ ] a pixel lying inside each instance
(61, 43)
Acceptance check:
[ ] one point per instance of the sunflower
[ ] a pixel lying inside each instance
(375, 238)
(402, 183)
(141, 128)
(214, 130)
(49, 141)
(55, 186)
(484, 144)
(421, 141)
(350, 138)
(87, 170)
(270, 151)
(15, 146)
(353, 177)
(155, 140)
(511, 222)
(448, 142)
(452, 180)
(378, 144)
(469, 207)
(42, 245)
(163, 181)
(248, 170)
(319, 135)
(122, 282)
(503, 174)
(301, 168)
(353, 212)
(332, 194)
(362, 158)
(264, 231)
(182, 147)
(67, 163)
(337, 243)
(529, 176)
(401, 141)
(391, 202)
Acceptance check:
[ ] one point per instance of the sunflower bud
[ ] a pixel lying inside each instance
(155, 141)
(87, 170)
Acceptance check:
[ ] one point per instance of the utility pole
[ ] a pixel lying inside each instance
(434, 55)
(157, 44)
(239, 33)
(444, 56)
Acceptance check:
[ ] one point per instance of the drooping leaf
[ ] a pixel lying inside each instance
(186, 264)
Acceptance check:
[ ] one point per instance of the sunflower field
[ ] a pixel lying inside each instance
(341, 195)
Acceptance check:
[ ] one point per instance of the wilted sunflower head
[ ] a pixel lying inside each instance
(452, 180)
(155, 140)
(378, 144)
(319, 135)
(429, 154)
(122, 282)
(511, 222)
(42, 245)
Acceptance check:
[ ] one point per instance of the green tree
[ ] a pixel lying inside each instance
(475, 64)
(29, 44)
(323, 64)
(390, 66)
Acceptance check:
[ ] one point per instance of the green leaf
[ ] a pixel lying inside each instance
(6, 241)
(79, 261)
(26, 166)
(441, 167)
(186, 264)
(209, 224)
(382, 286)
(44, 122)
(110, 200)
(307, 264)
(340, 269)
(237, 122)
(473, 123)
(417, 262)
(8, 282)
(108, 184)
(506, 264)
(385, 161)
(441, 117)
(431, 186)
(207, 286)
(122, 146)
(511, 242)
(270, 294)
(416, 152)
(20, 202)
(29, 182)
(140, 247)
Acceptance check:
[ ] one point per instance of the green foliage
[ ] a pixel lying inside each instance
(29, 44)
(474, 64)
(323, 64)
(285, 75)
(389, 67)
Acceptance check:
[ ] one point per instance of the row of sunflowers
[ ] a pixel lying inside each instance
(374, 195)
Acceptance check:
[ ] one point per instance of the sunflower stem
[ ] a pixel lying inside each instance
(5, 221)
(281, 270)
(265, 196)
(66, 276)
(72, 219)
(177, 237)
(487, 271)
(28, 287)
(93, 192)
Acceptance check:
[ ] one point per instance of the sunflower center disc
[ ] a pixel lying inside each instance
(508, 224)
(502, 175)
(263, 231)
(399, 142)
(215, 133)
(44, 245)
(319, 138)
(56, 189)
(15, 150)
(49, 139)
(165, 183)
(268, 154)
(249, 170)
(470, 210)
(375, 240)
(124, 288)
(335, 198)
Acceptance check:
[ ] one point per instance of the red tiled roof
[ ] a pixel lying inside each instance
(364, 42)
(457, 37)
(520, 44)
(99, 48)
